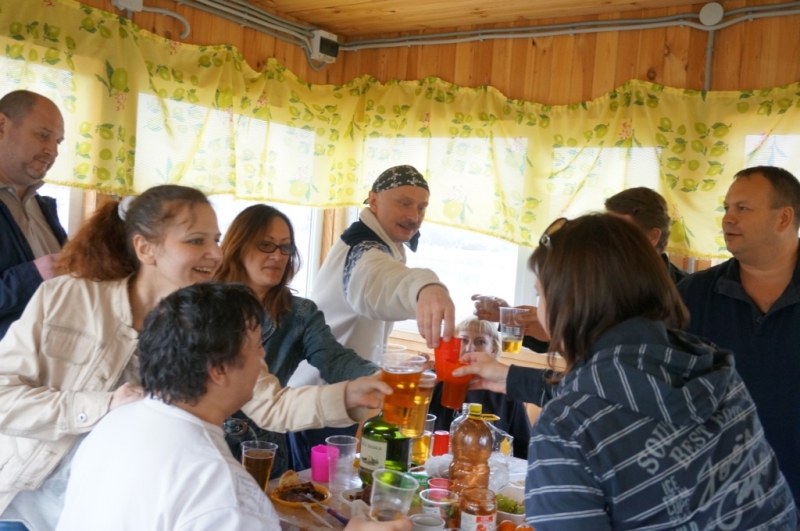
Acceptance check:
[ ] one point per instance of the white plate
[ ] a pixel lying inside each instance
(345, 495)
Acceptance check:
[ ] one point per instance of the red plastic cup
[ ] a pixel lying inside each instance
(439, 483)
(448, 358)
(441, 442)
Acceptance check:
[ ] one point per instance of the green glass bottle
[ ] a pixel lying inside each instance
(382, 446)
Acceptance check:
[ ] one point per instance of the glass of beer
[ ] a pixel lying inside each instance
(257, 458)
(392, 493)
(421, 446)
(511, 330)
(422, 400)
(402, 371)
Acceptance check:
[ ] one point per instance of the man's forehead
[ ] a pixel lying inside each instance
(750, 188)
(414, 193)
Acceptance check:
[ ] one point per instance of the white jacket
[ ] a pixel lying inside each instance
(380, 291)
(62, 360)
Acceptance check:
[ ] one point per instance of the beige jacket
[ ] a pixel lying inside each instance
(60, 363)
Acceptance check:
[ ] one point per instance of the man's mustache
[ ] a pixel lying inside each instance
(409, 226)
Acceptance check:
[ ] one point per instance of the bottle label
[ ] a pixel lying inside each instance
(477, 522)
(373, 454)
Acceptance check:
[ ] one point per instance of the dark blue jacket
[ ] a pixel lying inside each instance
(303, 335)
(19, 277)
(766, 348)
(656, 430)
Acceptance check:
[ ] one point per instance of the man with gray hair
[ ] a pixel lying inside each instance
(364, 285)
(31, 128)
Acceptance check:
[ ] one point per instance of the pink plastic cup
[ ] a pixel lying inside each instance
(319, 462)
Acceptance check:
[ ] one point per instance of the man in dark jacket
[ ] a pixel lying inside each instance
(750, 304)
(31, 128)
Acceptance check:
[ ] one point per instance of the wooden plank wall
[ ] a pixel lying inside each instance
(208, 29)
(551, 70)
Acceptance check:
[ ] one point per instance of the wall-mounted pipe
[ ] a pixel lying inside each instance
(186, 27)
(564, 29)
(240, 12)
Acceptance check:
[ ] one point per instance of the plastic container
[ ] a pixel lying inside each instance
(472, 447)
(459, 419)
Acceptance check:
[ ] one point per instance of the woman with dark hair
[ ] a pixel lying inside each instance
(649, 427)
(259, 251)
(71, 357)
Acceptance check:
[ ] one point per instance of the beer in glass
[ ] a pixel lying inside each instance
(510, 330)
(257, 458)
(402, 371)
(422, 400)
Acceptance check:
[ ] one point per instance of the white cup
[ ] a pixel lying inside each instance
(340, 463)
(426, 522)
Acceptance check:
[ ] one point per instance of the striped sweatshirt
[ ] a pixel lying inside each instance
(655, 431)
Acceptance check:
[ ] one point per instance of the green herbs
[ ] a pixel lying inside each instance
(507, 505)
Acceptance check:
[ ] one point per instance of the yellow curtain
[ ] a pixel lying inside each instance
(201, 116)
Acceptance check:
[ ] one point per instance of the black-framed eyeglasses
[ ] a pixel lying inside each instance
(287, 249)
(554, 227)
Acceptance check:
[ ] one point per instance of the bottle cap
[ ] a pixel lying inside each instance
(475, 410)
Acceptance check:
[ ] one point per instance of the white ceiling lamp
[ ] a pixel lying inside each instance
(711, 14)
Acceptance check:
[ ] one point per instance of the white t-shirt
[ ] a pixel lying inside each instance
(152, 466)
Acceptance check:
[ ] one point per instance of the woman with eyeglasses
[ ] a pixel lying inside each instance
(259, 250)
(649, 427)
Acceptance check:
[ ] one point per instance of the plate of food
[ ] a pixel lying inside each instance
(291, 491)
(351, 495)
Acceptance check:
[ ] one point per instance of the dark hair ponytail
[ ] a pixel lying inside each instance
(103, 249)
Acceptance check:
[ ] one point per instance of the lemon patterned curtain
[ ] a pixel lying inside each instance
(141, 110)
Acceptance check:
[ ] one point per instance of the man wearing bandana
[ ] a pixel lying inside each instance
(364, 285)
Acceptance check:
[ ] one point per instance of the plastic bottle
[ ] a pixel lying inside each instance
(472, 446)
(459, 419)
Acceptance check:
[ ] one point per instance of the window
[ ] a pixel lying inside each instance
(467, 263)
(306, 222)
(773, 150)
(56, 85)
(69, 205)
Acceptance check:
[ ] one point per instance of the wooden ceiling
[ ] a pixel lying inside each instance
(354, 18)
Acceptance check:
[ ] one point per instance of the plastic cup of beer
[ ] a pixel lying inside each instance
(448, 358)
(442, 503)
(402, 371)
(421, 446)
(392, 493)
(257, 458)
(341, 457)
(511, 330)
(422, 400)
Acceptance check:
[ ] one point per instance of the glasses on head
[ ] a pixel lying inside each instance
(554, 227)
(268, 247)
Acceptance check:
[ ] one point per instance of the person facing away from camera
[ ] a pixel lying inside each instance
(649, 427)
(194, 376)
